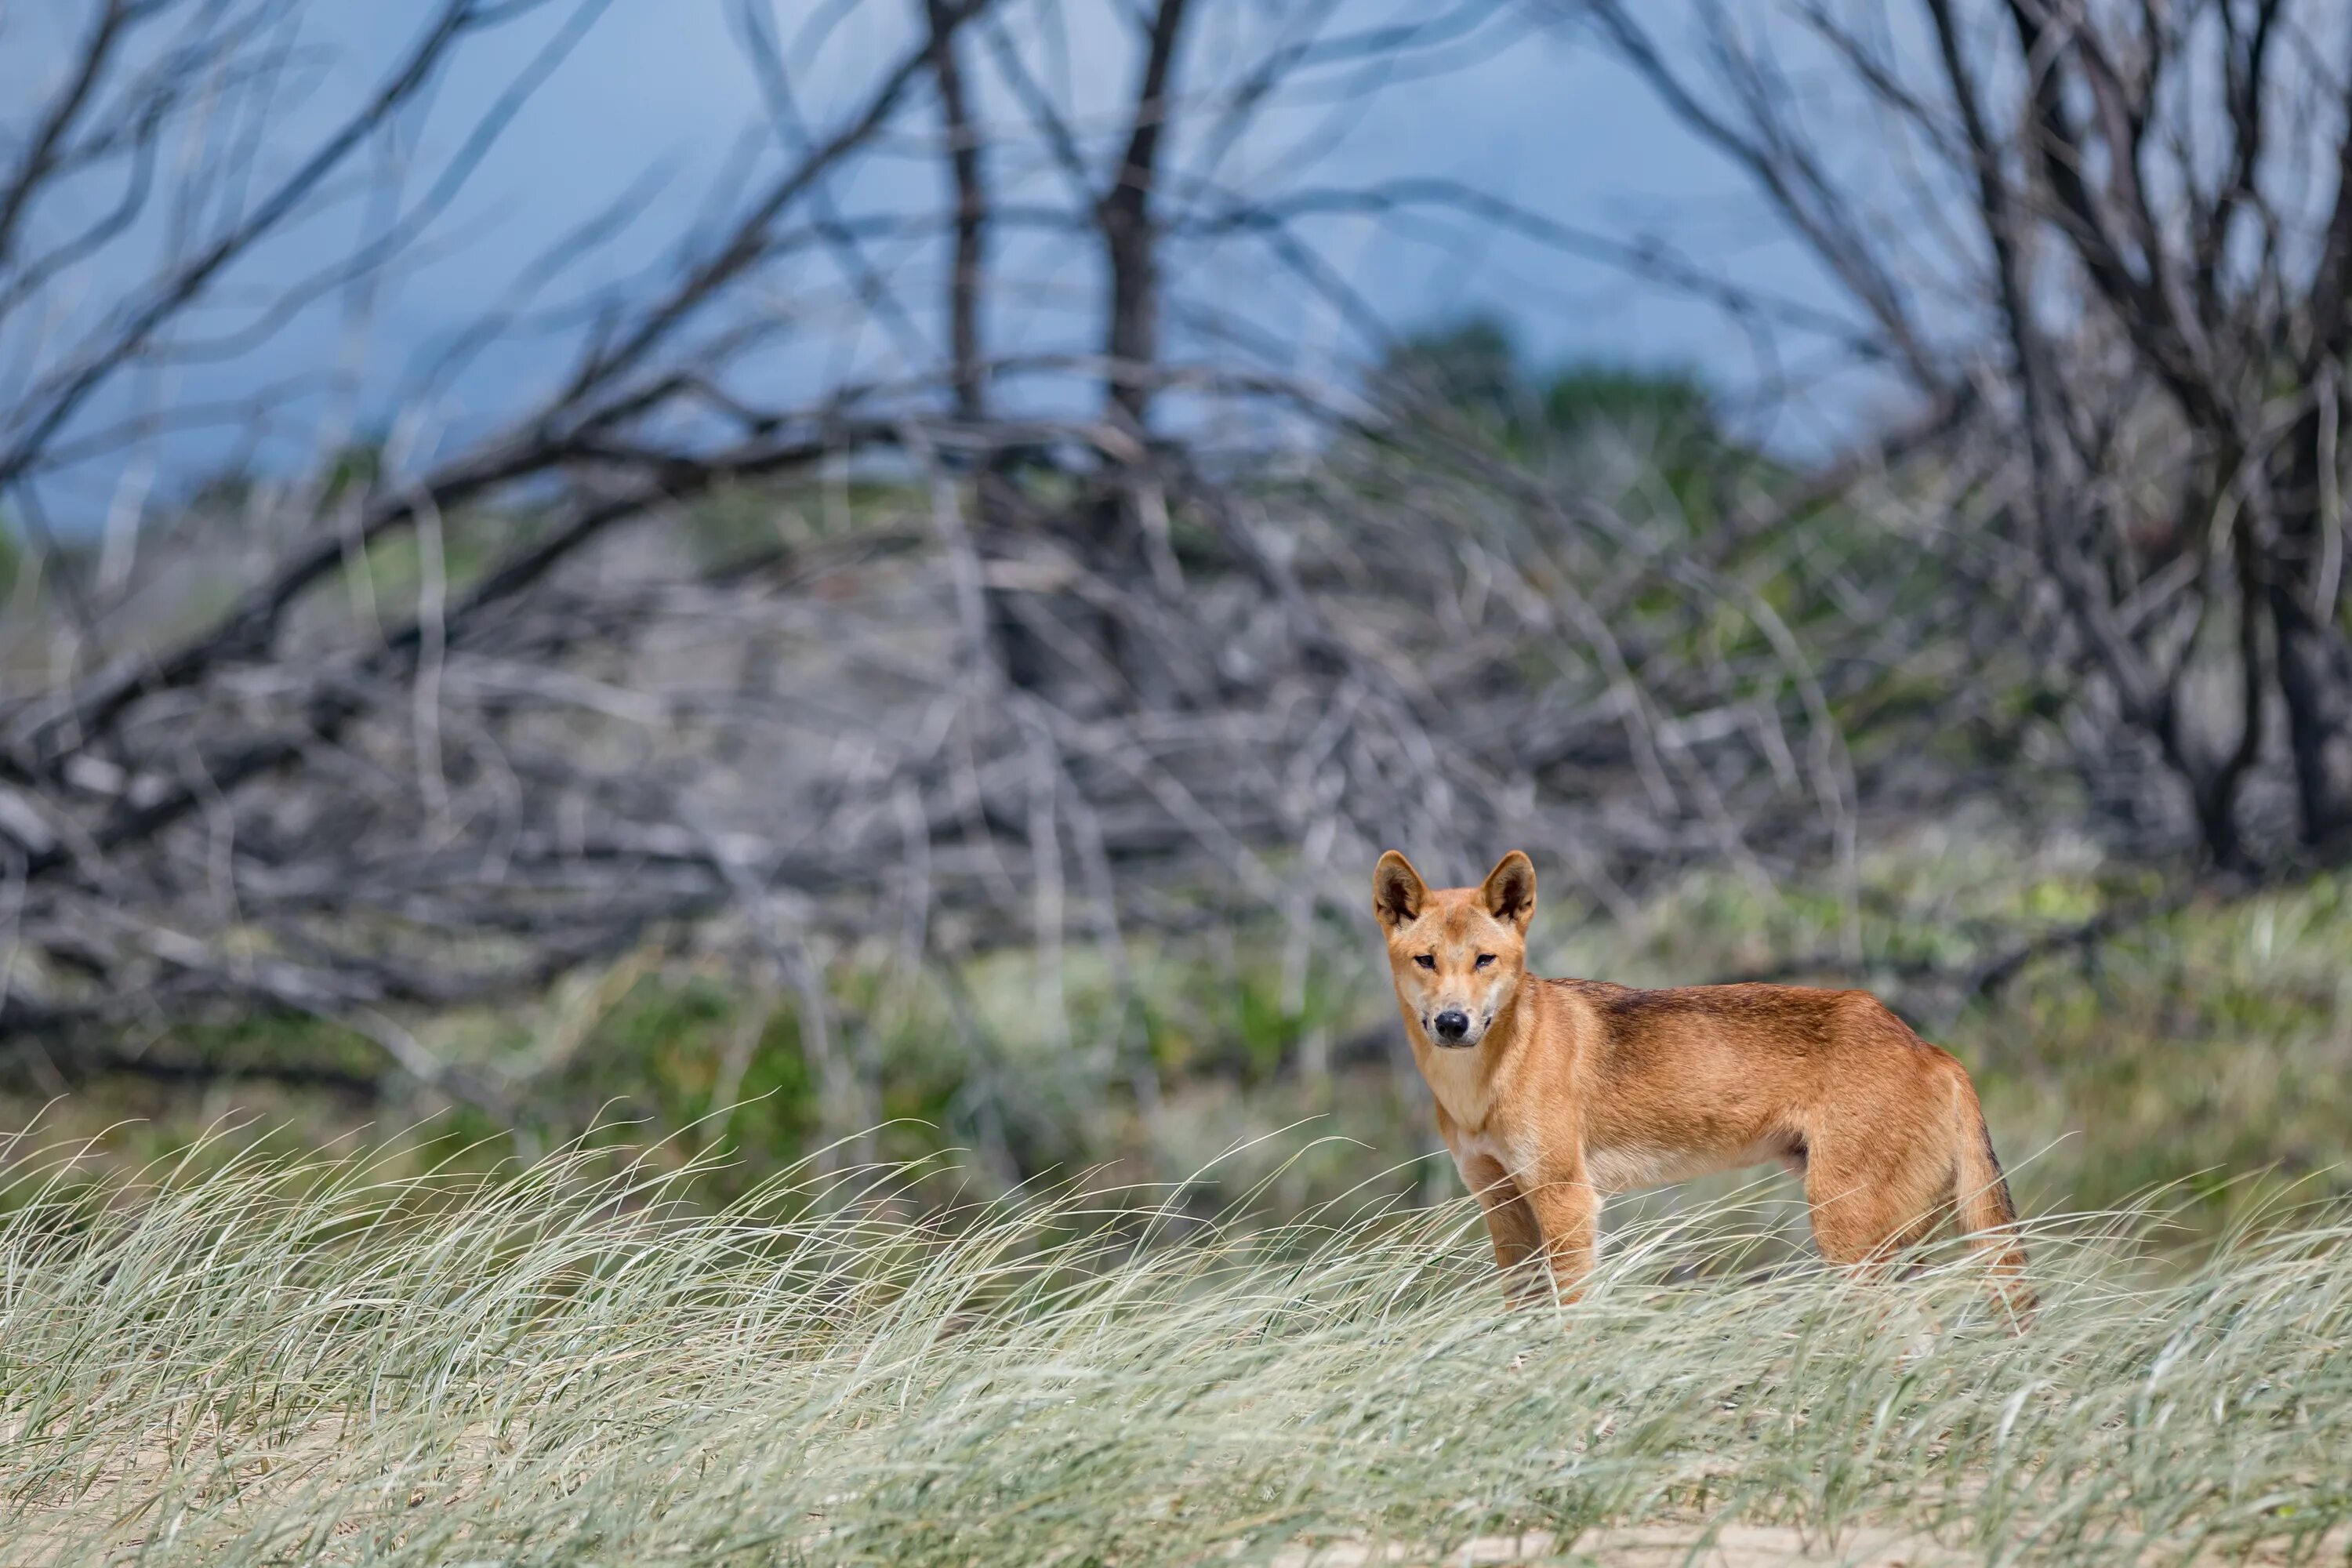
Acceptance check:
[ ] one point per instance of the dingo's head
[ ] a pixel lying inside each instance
(1456, 954)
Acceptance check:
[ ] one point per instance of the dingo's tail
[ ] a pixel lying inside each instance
(1986, 1216)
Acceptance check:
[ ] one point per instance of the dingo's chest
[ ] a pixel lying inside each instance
(1464, 1090)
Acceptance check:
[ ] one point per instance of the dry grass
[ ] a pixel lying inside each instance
(308, 1360)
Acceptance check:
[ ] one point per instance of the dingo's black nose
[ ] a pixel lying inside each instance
(1453, 1025)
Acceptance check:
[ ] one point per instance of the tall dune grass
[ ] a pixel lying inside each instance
(307, 1360)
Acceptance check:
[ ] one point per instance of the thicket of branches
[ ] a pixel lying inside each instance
(1051, 634)
(2123, 234)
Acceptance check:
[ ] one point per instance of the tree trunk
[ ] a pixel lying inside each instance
(2315, 676)
(1130, 244)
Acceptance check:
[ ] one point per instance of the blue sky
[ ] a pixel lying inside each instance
(1526, 113)
(1545, 121)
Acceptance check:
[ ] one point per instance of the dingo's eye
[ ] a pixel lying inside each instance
(1426, 959)
(1484, 959)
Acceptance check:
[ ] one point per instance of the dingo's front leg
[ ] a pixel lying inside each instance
(1510, 1224)
(1567, 1212)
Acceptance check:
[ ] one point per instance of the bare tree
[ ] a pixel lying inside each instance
(1129, 245)
(2143, 230)
(985, 672)
(967, 281)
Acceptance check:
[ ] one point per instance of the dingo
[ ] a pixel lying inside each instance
(1553, 1094)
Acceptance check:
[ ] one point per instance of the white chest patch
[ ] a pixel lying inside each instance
(1461, 1088)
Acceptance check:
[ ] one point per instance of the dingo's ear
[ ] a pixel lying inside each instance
(1510, 890)
(1398, 891)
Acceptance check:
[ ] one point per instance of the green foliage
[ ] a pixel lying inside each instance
(357, 464)
(2211, 1046)
(1238, 1020)
(660, 1058)
(732, 523)
(735, 522)
(224, 493)
(1476, 369)
(390, 573)
(1473, 366)
(1671, 405)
